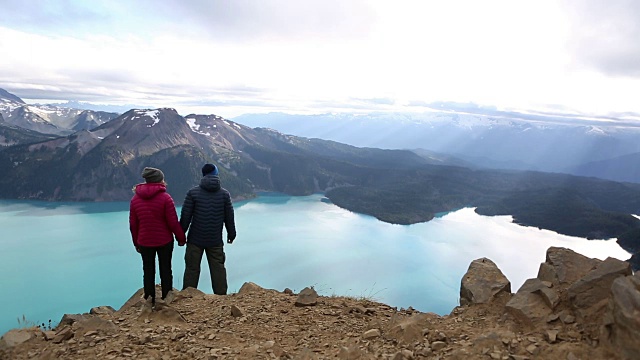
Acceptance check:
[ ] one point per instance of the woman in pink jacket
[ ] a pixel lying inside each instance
(153, 222)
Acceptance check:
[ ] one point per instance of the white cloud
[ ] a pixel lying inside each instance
(281, 55)
(604, 36)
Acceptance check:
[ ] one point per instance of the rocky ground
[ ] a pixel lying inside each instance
(258, 323)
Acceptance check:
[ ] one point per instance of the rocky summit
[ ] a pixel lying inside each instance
(575, 308)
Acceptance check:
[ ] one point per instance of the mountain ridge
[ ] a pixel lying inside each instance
(624, 168)
(479, 138)
(49, 119)
(394, 185)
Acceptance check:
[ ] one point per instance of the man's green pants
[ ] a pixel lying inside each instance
(215, 258)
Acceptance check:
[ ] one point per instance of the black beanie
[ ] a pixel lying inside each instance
(209, 169)
(152, 175)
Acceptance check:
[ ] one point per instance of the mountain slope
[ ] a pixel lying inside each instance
(500, 140)
(621, 168)
(24, 117)
(9, 97)
(49, 119)
(14, 135)
(396, 186)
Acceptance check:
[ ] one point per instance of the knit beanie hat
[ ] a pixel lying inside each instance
(209, 169)
(152, 175)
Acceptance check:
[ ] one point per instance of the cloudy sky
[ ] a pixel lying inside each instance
(230, 57)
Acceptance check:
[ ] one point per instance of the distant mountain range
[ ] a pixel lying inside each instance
(490, 139)
(48, 119)
(620, 168)
(398, 186)
(119, 109)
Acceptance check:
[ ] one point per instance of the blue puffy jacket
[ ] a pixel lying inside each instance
(205, 210)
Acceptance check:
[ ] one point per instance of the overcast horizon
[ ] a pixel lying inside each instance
(246, 56)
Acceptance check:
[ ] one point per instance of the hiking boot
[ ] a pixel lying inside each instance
(169, 298)
(148, 303)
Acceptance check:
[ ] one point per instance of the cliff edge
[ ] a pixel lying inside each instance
(576, 308)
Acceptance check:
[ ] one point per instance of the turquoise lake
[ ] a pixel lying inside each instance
(62, 258)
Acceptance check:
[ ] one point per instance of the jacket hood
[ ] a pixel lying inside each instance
(210, 183)
(149, 190)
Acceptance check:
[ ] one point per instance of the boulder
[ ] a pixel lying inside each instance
(482, 283)
(188, 293)
(70, 319)
(307, 297)
(550, 296)
(371, 334)
(352, 352)
(63, 333)
(16, 337)
(249, 287)
(102, 310)
(635, 261)
(236, 311)
(162, 313)
(623, 322)
(533, 303)
(137, 298)
(94, 323)
(589, 295)
(547, 273)
(409, 330)
(565, 266)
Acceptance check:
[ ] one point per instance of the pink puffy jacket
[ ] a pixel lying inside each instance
(152, 216)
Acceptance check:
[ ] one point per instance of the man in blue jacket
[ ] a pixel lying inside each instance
(205, 210)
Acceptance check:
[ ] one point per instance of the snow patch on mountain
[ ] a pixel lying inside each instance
(196, 127)
(147, 114)
(43, 113)
(594, 130)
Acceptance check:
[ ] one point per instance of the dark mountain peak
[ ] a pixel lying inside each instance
(221, 131)
(5, 95)
(145, 131)
(150, 118)
(153, 115)
(145, 114)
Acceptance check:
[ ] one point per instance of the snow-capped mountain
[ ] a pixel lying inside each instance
(104, 163)
(4, 94)
(474, 137)
(517, 141)
(49, 119)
